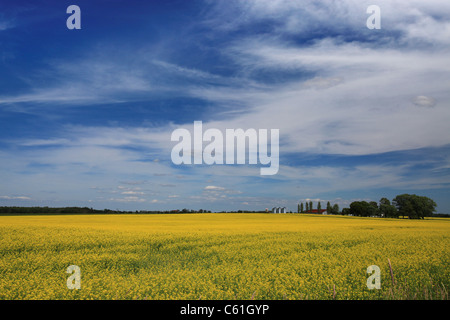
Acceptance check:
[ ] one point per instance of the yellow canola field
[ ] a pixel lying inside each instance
(222, 256)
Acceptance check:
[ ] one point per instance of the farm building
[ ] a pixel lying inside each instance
(322, 211)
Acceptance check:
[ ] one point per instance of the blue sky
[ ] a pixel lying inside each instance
(86, 115)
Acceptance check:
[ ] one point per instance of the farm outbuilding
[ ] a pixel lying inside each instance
(279, 210)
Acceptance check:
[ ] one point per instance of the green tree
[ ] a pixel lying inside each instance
(414, 206)
(310, 206)
(319, 207)
(357, 208)
(329, 208)
(387, 210)
(307, 206)
(362, 209)
(385, 201)
(335, 209)
(376, 210)
(301, 207)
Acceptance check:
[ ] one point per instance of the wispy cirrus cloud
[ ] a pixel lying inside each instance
(404, 22)
(5, 25)
(97, 78)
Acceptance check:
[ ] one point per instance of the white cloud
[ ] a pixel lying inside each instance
(415, 20)
(128, 199)
(215, 188)
(361, 108)
(423, 101)
(133, 192)
(44, 142)
(15, 198)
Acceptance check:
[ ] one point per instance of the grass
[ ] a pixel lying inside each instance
(222, 256)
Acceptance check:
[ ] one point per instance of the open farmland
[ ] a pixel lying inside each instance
(222, 256)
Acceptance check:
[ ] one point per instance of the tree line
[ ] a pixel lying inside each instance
(309, 208)
(404, 205)
(86, 210)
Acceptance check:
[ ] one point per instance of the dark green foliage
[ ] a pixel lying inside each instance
(329, 208)
(363, 209)
(414, 206)
(405, 205)
(335, 209)
(81, 210)
(387, 210)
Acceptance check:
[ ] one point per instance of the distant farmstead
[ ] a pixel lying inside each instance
(321, 211)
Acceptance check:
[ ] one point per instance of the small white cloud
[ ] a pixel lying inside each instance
(424, 101)
(133, 192)
(215, 188)
(313, 200)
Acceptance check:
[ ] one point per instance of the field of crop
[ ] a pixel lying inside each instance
(222, 256)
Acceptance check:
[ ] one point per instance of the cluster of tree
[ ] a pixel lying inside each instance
(404, 205)
(49, 210)
(332, 209)
(83, 210)
(308, 208)
(190, 211)
(413, 206)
